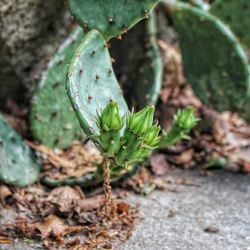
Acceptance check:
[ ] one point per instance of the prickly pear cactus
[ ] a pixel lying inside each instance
(111, 17)
(53, 121)
(18, 165)
(92, 83)
(124, 138)
(236, 14)
(214, 62)
(183, 122)
(148, 83)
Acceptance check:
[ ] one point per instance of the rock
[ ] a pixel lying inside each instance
(29, 31)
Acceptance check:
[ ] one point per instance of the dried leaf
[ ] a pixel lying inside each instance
(76, 161)
(53, 226)
(65, 198)
(159, 164)
(5, 193)
(90, 203)
(123, 207)
(185, 157)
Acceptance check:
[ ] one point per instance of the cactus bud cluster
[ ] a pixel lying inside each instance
(184, 121)
(137, 141)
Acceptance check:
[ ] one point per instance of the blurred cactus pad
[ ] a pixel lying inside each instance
(53, 121)
(18, 165)
(110, 17)
(214, 62)
(236, 14)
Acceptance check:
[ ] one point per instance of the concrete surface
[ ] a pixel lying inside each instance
(221, 201)
(176, 219)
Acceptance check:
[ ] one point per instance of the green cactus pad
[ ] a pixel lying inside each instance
(214, 62)
(18, 165)
(92, 83)
(110, 17)
(53, 121)
(235, 13)
(149, 79)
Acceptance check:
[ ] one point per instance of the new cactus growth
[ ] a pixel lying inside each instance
(111, 17)
(236, 14)
(137, 141)
(183, 122)
(18, 165)
(53, 121)
(214, 62)
(123, 149)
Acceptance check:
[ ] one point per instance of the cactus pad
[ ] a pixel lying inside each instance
(91, 82)
(17, 162)
(149, 79)
(236, 14)
(52, 118)
(214, 62)
(111, 17)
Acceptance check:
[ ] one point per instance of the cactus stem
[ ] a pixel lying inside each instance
(110, 203)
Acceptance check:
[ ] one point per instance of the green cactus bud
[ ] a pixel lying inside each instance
(110, 118)
(141, 122)
(186, 118)
(152, 137)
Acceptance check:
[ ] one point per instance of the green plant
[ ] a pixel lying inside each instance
(149, 78)
(52, 119)
(124, 138)
(123, 148)
(214, 61)
(18, 165)
(112, 17)
(184, 121)
(236, 15)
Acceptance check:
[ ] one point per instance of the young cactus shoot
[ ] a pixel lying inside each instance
(123, 147)
(184, 121)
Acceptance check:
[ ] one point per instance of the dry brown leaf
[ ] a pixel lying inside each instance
(65, 198)
(53, 226)
(90, 203)
(123, 207)
(76, 161)
(159, 164)
(185, 157)
(5, 193)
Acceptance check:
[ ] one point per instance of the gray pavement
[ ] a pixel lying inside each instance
(177, 221)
